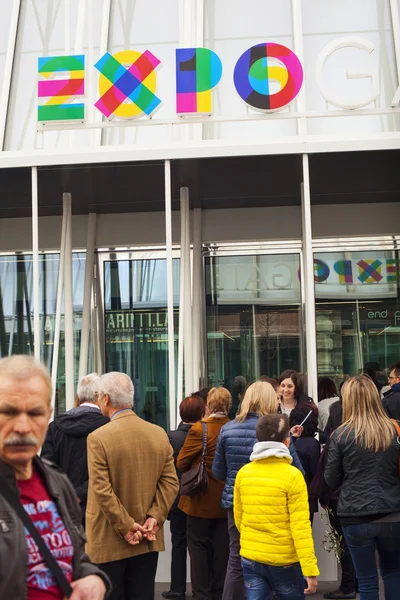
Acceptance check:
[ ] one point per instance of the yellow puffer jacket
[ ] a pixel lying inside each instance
(272, 514)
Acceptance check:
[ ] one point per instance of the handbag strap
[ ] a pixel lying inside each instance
(13, 500)
(205, 439)
(397, 427)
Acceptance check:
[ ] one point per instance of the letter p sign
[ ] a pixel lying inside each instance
(198, 71)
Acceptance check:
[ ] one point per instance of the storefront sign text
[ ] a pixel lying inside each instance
(267, 77)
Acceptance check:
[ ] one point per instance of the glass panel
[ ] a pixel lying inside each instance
(253, 319)
(16, 310)
(366, 19)
(357, 312)
(141, 25)
(41, 32)
(5, 21)
(230, 29)
(136, 324)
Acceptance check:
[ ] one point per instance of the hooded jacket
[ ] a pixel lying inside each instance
(235, 444)
(65, 444)
(271, 510)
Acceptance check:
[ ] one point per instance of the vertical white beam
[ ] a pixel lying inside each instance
(104, 38)
(199, 33)
(297, 24)
(255, 346)
(87, 295)
(197, 314)
(67, 26)
(395, 17)
(80, 27)
(68, 308)
(170, 294)
(182, 301)
(8, 68)
(191, 33)
(57, 324)
(99, 340)
(309, 288)
(78, 49)
(187, 306)
(35, 265)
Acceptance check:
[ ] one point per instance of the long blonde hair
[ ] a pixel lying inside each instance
(363, 413)
(260, 397)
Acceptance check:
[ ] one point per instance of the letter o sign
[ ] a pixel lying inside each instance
(261, 64)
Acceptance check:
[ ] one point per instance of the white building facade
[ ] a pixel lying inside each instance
(200, 192)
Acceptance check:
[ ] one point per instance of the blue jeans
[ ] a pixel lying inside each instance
(261, 580)
(363, 541)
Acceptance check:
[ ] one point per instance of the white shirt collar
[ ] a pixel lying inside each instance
(90, 404)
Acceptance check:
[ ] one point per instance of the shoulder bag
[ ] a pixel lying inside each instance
(11, 497)
(195, 481)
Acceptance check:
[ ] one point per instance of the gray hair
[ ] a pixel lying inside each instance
(22, 367)
(119, 388)
(87, 388)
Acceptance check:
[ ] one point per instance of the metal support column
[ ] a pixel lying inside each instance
(187, 306)
(68, 308)
(395, 17)
(182, 301)
(170, 295)
(35, 265)
(104, 37)
(98, 322)
(8, 68)
(297, 24)
(197, 309)
(87, 297)
(308, 278)
(57, 324)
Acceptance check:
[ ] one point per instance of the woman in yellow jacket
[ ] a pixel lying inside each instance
(272, 515)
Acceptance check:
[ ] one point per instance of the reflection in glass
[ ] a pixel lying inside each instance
(253, 319)
(136, 324)
(16, 310)
(357, 313)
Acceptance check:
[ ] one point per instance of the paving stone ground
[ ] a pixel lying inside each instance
(323, 587)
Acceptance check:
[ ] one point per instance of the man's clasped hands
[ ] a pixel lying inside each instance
(148, 531)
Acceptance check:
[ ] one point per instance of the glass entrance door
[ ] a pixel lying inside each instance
(357, 313)
(253, 312)
(136, 327)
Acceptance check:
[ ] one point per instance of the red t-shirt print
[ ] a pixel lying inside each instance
(42, 510)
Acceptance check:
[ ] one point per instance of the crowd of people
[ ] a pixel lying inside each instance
(85, 519)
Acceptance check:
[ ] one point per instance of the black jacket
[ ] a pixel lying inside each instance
(13, 550)
(177, 439)
(370, 483)
(391, 402)
(65, 444)
(309, 450)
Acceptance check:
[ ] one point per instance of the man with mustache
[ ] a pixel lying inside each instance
(44, 491)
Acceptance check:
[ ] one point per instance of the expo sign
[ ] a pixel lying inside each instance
(267, 77)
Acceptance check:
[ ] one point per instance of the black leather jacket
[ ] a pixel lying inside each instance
(177, 438)
(13, 551)
(369, 481)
